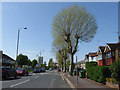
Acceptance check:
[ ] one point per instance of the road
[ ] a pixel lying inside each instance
(48, 79)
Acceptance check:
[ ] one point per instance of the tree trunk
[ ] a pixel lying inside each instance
(71, 65)
(62, 66)
(65, 65)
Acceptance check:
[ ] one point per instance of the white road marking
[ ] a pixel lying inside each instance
(36, 77)
(52, 83)
(20, 83)
(62, 76)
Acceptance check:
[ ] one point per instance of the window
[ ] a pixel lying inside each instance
(108, 55)
(92, 58)
(100, 57)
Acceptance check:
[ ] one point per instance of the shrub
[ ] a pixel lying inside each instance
(115, 69)
(98, 73)
(111, 80)
(90, 64)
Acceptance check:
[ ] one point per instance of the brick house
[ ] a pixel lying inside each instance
(110, 53)
(101, 56)
(117, 52)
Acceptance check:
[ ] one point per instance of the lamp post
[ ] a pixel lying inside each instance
(18, 40)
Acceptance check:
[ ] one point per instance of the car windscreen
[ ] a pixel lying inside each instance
(36, 69)
(8, 68)
(20, 69)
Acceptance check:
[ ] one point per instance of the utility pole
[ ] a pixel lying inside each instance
(76, 72)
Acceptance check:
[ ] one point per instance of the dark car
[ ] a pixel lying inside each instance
(51, 69)
(22, 71)
(42, 69)
(8, 72)
(36, 70)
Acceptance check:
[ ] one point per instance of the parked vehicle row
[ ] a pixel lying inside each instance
(38, 70)
(8, 72)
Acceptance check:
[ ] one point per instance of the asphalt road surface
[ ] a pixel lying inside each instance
(48, 79)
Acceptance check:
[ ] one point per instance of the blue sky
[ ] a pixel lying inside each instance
(38, 17)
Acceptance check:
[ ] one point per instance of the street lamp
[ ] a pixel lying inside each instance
(18, 40)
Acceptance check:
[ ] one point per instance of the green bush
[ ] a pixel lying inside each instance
(98, 73)
(115, 69)
(90, 64)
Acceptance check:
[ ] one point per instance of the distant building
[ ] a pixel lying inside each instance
(87, 58)
(6, 60)
(81, 64)
(39, 59)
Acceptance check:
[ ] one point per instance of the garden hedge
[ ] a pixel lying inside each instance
(97, 73)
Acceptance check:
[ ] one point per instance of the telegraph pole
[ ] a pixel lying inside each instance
(76, 72)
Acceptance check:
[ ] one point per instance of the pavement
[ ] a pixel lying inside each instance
(82, 82)
(48, 79)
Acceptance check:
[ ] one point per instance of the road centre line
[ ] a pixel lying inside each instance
(20, 83)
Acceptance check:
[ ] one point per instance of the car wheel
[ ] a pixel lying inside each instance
(7, 77)
(27, 73)
(15, 76)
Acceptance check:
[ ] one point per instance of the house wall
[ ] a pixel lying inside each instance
(109, 61)
(100, 63)
(117, 54)
(92, 59)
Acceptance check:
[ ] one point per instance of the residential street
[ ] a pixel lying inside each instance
(48, 79)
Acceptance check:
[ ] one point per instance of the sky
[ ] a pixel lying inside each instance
(38, 18)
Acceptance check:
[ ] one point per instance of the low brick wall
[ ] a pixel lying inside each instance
(112, 85)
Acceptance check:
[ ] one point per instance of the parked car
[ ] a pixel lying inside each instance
(22, 71)
(36, 70)
(51, 69)
(42, 69)
(58, 69)
(8, 72)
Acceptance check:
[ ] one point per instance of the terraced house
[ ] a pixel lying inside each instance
(101, 55)
(106, 55)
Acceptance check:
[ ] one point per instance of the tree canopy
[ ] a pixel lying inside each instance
(34, 62)
(22, 60)
(73, 25)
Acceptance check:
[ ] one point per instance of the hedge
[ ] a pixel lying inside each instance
(90, 64)
(115, 69)
(98, 73)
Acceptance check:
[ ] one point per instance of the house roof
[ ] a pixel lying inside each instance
(102, 48)
(112, 45)
(93, 54)
(6, 56)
